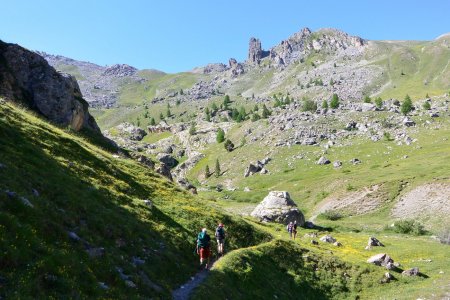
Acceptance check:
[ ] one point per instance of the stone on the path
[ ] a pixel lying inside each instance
(279, 207)
(26, 202)
(73, 236)
(130, 284)
(148, 203)
(96, 252)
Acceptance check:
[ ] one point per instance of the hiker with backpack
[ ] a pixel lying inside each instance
(294, 229)
(290, 229)
(203, 247)
(220, 237)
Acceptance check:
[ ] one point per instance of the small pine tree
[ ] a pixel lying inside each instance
(256, 108)
(334, 101)
(138, 122)
(181, 92)
(255, 117)
(406, 106)
(367, 99)
(334, 65)
(325, 104)
(426, 105)
(178, 102)
(214, 107)
(226, 102)
(207, 115)
(331, 82)
(265, 112)
(207, 172)
(152, 122)
(379, 102)
(220, 137)
(217, 169)
(161, 116)
(192, 129)
(427, 96)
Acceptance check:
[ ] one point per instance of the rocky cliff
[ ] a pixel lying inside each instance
(26, 77)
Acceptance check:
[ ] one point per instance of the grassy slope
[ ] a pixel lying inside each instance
(84, 189)
(284, 269)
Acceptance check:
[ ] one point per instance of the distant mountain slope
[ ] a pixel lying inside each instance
(307, 64)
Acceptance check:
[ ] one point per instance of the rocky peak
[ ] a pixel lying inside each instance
(235, 67)
(254, 51)
(120, 70)
(26, 77)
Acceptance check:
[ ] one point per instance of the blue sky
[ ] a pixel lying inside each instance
(178, 35)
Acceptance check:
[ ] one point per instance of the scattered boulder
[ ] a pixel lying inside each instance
(35, 192)
(164, 170)
(311, 235)
(323, 161)
(148, 203)
(337, 244)
(73, 236)
(328, 239)
(130, 284)
(411, 272)
(26, 202)
(387, 278)
(351, 125)
(146, 161)
(355, 161)
(408, 122)
(135, 133)
(374, 242)
(257, 167)
(279, 207)
(381, 259)
(184, 183)
(337, 164)
(314, 242)
(167, 159)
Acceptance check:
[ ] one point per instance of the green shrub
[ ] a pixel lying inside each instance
(367, 99)
(426, 105)
(379, 102)
(309, 105)
(332, 215)
(409, 227)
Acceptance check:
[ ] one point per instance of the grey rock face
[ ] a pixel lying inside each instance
(235, 67)
(27, 78)
(167, 159)
(255, 51)
(279, 207)
(120, 70)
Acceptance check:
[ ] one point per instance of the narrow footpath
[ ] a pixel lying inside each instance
(185, 290)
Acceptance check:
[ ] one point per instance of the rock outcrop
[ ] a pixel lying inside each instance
(279, 207)
(120, 70)
(235, 67)
(26, 77)
(255, 51)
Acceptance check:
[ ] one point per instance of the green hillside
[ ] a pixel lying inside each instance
(75, 187)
